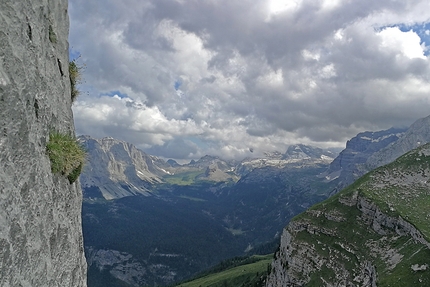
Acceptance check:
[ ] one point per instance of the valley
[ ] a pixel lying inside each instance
(189, 220)
(148, 222)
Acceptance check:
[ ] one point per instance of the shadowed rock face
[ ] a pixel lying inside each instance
(416, 135)
(369, 150)
(40, 213)
(350, 164)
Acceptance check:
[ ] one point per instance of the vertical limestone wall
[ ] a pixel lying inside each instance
(40, 213)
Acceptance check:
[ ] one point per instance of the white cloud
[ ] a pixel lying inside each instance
(217, 77)
(404, 43)
(128, 116)
(279, 6)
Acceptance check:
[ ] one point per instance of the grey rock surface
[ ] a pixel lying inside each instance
(118, 169)
(40, 213)
(350, 163)
(416, 135)
(296, 260)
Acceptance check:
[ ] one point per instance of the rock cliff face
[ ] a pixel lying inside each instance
(117, 169)
(369, 150)
(350, 163)
(373, 233)
(416, 135)
(40, 213)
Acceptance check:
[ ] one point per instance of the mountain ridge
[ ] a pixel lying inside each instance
(360, 236)
(116, 168)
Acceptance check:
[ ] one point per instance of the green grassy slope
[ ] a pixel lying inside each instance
(335, 235)
(244, 275)
(184, 178)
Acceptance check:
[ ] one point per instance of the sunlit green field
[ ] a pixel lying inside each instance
(185, 178)
(236, 276)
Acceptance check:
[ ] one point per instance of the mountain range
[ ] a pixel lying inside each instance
(374, 232)
(117, 169)
(242, 207)
(201, 213)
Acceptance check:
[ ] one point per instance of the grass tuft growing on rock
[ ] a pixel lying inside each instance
(75, 78)
(67, 156)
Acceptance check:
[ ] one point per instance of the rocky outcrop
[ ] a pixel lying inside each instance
(379, 221)
(375, 232)
(40, 213)
(217, 172)
(296, 260)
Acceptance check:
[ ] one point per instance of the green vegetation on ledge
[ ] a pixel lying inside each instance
(75, 78)
(66, 155)
(401, 188)
(338, 236)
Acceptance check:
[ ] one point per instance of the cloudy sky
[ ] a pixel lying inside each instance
(185, 78)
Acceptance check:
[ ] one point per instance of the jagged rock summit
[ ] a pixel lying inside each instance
(40, 212)
(369, 150)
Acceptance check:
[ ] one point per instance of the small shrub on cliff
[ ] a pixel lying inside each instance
(75, 78)
(67, 156)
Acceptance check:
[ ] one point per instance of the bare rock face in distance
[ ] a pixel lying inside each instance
(40, 213)
(117, 169)
(416, 135)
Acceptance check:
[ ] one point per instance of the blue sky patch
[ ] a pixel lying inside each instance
(177, 84)
(115, 93)
(422, 30)
(73, 54)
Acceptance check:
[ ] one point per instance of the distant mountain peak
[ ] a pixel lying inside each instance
(173, 163)
(208, 158)
(117, 168)
(350, 163)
